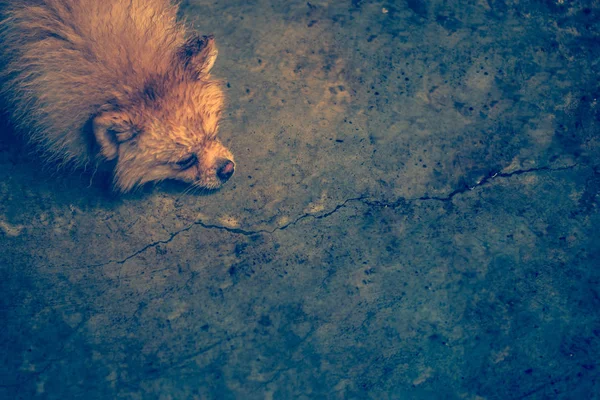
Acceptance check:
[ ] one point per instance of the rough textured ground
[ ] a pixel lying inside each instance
(415, 215)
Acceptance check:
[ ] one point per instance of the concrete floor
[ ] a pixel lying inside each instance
(415, 215)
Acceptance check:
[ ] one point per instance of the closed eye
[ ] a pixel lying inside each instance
(187, 162)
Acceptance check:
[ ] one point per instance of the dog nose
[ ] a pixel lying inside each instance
(225, 170)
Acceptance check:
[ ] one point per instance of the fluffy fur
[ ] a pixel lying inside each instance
(115, 80)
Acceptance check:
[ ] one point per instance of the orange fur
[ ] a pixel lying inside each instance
(93, 80)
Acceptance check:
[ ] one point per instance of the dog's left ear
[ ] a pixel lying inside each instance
(198, 54)
(111, 129)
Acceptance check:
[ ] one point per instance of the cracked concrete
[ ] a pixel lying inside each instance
(414, 216)
(371, 203)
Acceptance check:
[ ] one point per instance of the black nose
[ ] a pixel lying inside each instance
(225, 170)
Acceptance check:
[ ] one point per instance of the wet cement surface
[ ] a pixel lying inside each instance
(415, 215)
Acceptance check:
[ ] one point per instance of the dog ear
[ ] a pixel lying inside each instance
(111, 129)
(198, 54)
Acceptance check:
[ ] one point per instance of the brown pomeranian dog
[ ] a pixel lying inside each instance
(92, 81)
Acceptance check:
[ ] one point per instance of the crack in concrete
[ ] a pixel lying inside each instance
(466, 188)
(238, 231)
(395, 204)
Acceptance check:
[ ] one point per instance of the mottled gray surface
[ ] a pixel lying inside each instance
(415, 215)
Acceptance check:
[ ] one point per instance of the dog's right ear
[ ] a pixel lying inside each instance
(112, 128)
(198, 54)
